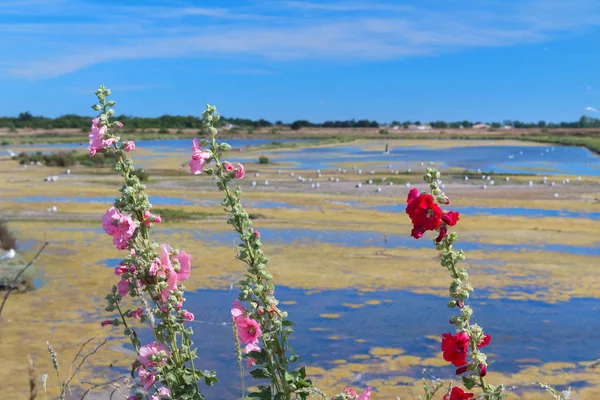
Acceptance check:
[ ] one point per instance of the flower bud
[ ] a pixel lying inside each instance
(111, 103)
(482, 370)
(462, 370)
(452, 304)
(224, 147)
(96, 107)
(111, 112)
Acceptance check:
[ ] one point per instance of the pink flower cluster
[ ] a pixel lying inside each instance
(239, 172)
(248, 330)
(199, 158)
(96, 136)
(173, 268)
(120, 226)
(151, 356)
(352, 394)
(149, 218)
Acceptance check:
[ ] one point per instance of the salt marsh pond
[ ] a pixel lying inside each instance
(368, 300)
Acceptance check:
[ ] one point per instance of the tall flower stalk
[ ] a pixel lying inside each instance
(263, 321)
(426, 215)
(151, 274)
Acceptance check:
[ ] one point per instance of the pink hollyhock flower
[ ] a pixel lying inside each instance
(136, 314)
(120, 226)
(248, 329)
(256, 235)
(462, 370)
(228, 167)
(107, 322)
(129, 146)
(171, 286)
(132, 398)
(188, 316)
(121, 269)
(164, 392)
(199, 158)
(185, 265)
(441, 235)
(350, 392)
(108, 142)
(123, 287)
(155, 397)
(165, 257)
(118, 125)
(96, 136)
(150, 352)
(147, 378)
(238, 309)
(149, 218)
(240, 172)
(153, 270)
(250, 362)
(365, 395)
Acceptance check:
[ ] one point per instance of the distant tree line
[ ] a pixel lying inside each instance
(26, 120)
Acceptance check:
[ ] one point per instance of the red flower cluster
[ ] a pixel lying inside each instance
(455, 348)
(458, 394)
(426, 215)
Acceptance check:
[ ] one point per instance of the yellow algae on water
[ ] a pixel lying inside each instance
(289, 302)
(383, 351)
(351, 305)
(331, 316)
(333, 337)
(360, 357)
(373, 302)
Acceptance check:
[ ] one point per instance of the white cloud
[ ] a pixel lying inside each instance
(592, 109)
(334, 32)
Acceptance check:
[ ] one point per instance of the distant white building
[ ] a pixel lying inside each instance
(480, 126)
(507, 127)
(414, 127)
(227, 127)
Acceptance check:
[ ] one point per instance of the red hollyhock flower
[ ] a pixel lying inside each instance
(424, 213)
(455, 348)
(486, 340)
(458, 394)
(450, 218)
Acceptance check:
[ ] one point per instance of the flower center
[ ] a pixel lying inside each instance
(251, 330)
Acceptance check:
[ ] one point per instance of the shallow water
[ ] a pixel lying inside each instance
(524, 333)
(546, 159)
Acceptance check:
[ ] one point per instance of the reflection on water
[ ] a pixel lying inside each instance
(155, 200)
(400, 320)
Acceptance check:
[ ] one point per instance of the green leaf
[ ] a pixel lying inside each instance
(287, 322)
(265, 393)
(260, 373)
(469, 382)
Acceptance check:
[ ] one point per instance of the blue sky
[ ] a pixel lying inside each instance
(425, 60)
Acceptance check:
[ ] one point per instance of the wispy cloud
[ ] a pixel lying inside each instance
(592, 109)
(281, 31)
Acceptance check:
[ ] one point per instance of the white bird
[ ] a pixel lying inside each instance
(484, 187)
(11, 153)
(391, 184)
(409, 170)
(372, 172)
(68, 171)
(337, 179)
(339, 170)
(430, 162)
(578, 178)
(407, 184)
(278, 171)
(489, 178)
(466, 178)
(310, 179)
(555, 194)
(266, 183)
(253, 183)
(567, 180)
(318, 185)
(318, 171)
(422, 164)
(483, 177)
(553, 183)
(39, 164)
(359, 172)
(358, 185)
(443, 186)
(318, 175)
(312, 185)
(492, 182)
(478, 170)
(9, 255)
(370, 181)
(257, 174)
(507, 179)
(396, 172)
(331, 178)
(343, 171)
(299, 179)
(530, 183)
(378, 189)
(291, 174)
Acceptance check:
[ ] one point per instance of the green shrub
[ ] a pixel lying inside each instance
(383, 132)
(179, 132)
(263, 160)
(163, 130)
(6, 142)
(7, 240)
